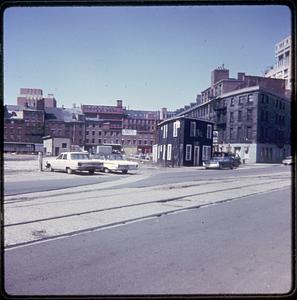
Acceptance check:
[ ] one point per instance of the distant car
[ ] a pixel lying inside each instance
(288, 160)
(226, 162)
(115, 162)
(71, 162)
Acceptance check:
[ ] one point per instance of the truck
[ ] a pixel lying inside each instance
(104, 150)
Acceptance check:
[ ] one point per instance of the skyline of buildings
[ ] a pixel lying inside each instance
(234, 105)
(150, 57)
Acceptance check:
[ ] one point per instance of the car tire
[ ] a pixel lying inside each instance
(125, 171)
(69, 171)
(106, 170)
(50, 168)
(91, 172)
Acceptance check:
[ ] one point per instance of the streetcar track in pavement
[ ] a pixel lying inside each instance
(132, 220)
(162, 201)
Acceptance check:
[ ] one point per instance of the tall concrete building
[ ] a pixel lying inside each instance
(282, 66)
(33, 98)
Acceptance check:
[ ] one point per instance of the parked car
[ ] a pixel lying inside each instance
(288, 160)
(219, 163)
(236, 158)
(115, 162)
(73, 161)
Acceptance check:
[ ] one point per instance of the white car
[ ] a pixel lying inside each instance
(115, 162)
(73, 161)
(288, 160)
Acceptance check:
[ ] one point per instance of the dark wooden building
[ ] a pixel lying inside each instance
(183, 141)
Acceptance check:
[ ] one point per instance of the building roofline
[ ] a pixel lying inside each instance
(252, 89)
(184, 117)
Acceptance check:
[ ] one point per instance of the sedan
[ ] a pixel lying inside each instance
(219, 163)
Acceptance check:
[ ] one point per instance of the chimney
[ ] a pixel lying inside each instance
(219, 74)
(119, 103)
(240, 76)
(163, 113)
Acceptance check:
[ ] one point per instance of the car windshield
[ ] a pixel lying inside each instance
(76, 156)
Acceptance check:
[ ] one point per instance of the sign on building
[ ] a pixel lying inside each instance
(129, 132)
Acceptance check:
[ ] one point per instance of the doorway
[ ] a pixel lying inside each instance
(196, 155)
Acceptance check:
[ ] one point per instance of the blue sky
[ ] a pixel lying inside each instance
(150, 57)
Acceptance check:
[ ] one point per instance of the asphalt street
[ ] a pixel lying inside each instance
(60, 180)
(237, 247)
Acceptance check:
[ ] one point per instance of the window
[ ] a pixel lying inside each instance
(206, 152)
(93, 132)
(193, 129)
(232, 101)
(239, 116)
(165, 131)
(188, 152)
(164, 152)
(249, 133)
(250, 99)
(239, 133)
(240, 100)
(231, 117)
(249, 114)
(231, 133)
(169, 147)
(64, 156)
(176, 125)
(99, 141)
(64, 145)
(209, 131)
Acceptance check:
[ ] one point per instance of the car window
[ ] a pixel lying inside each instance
(76, 156)
(216, 158)
(64, 156)
(60, 156)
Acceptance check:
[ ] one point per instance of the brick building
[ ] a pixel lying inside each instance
(251, 115)
(115, 125)
(103, 124)
(138, 134)
(65, 123)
